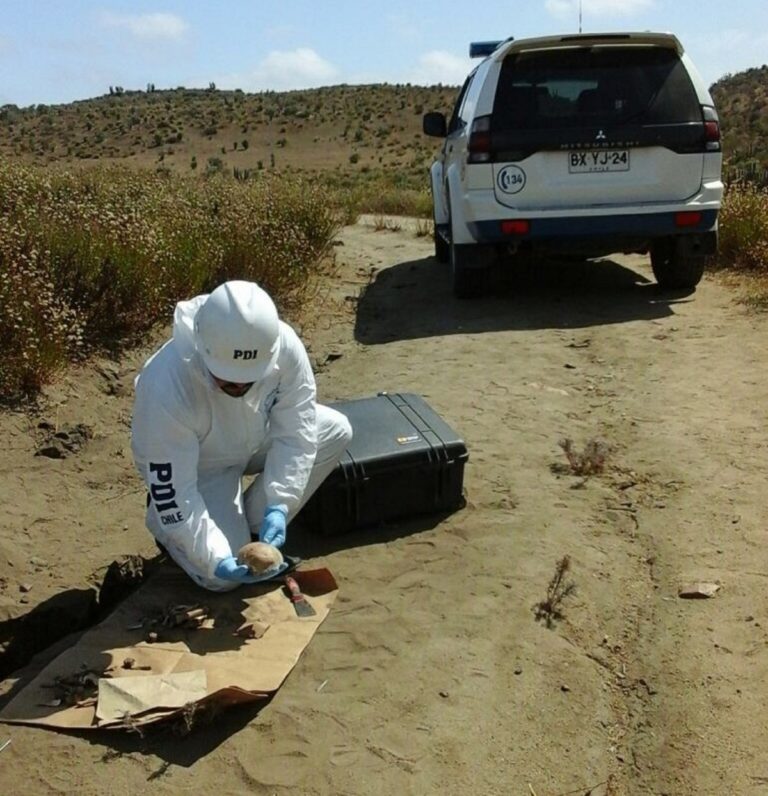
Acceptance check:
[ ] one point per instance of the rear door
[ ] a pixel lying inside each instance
(604, 125)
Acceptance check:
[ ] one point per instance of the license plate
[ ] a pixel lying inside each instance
(588, 161)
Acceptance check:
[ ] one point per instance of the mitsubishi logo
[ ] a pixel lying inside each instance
(600, 136)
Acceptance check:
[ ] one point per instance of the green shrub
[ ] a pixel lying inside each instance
(214, 166)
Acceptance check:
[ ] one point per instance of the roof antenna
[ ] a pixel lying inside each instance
(580, 16)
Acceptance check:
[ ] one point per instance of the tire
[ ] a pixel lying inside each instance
(673, 269)
(468, 276)
(442, 247)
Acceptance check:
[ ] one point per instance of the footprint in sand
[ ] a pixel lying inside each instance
(344, 755)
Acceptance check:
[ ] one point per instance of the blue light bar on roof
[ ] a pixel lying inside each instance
(481, 49)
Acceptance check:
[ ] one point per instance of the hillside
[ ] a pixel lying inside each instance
(345, 127)
(340, 127)
(349, 128)
(742, 102)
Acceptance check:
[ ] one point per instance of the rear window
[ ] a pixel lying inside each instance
(601, 85)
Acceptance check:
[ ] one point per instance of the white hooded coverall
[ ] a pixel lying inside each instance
(193, 443)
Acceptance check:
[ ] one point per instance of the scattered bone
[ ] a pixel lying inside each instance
(191, 617)
(252, 630)
(76, 689)
(130, 663)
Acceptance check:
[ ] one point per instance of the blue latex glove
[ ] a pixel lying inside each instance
(229, 569)
(272, 529)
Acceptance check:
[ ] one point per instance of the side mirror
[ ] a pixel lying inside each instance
(434, 124)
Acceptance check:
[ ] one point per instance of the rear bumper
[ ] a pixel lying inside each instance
(582, 228)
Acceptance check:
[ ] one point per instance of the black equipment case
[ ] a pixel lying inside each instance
(404, 460)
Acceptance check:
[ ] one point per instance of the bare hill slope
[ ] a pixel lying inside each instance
(338, 127)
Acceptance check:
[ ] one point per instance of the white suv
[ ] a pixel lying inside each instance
(585, 145)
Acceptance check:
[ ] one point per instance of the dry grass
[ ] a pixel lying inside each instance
(381, 192)
(744, 229)
(550, 609)
(193, 716)
(384, 224)
(744, 242)
(756, 296)
(424, 228)
(91, 260)
(590, 461)
(751, 286)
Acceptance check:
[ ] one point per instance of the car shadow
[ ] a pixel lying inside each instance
(413, 299)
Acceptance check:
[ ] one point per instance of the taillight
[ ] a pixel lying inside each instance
(517, 226)
(479, 144)
(688, 218)
(711, 128)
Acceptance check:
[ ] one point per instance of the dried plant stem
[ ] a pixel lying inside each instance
(550, 608)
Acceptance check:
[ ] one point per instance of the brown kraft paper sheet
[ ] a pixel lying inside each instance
(232, 668)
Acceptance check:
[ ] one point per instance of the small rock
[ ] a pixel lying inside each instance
(25, 587)
(750, 618)
(444, 694)
(698, 590)
(518, 670)
(565, 688)
(24, 599)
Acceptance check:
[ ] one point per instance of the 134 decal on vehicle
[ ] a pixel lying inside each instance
(511, 179)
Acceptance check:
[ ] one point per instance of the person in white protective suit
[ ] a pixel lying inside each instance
(231, 394)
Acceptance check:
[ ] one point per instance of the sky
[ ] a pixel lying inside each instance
(57, 51)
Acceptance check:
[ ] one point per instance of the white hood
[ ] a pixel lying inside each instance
(184, 334)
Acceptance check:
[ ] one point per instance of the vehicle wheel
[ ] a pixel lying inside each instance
(442, 247)
(469, 277)
(673, 270)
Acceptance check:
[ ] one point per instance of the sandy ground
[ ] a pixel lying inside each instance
(432, 674)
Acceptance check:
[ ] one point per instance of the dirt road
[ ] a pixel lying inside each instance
(432, 674)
